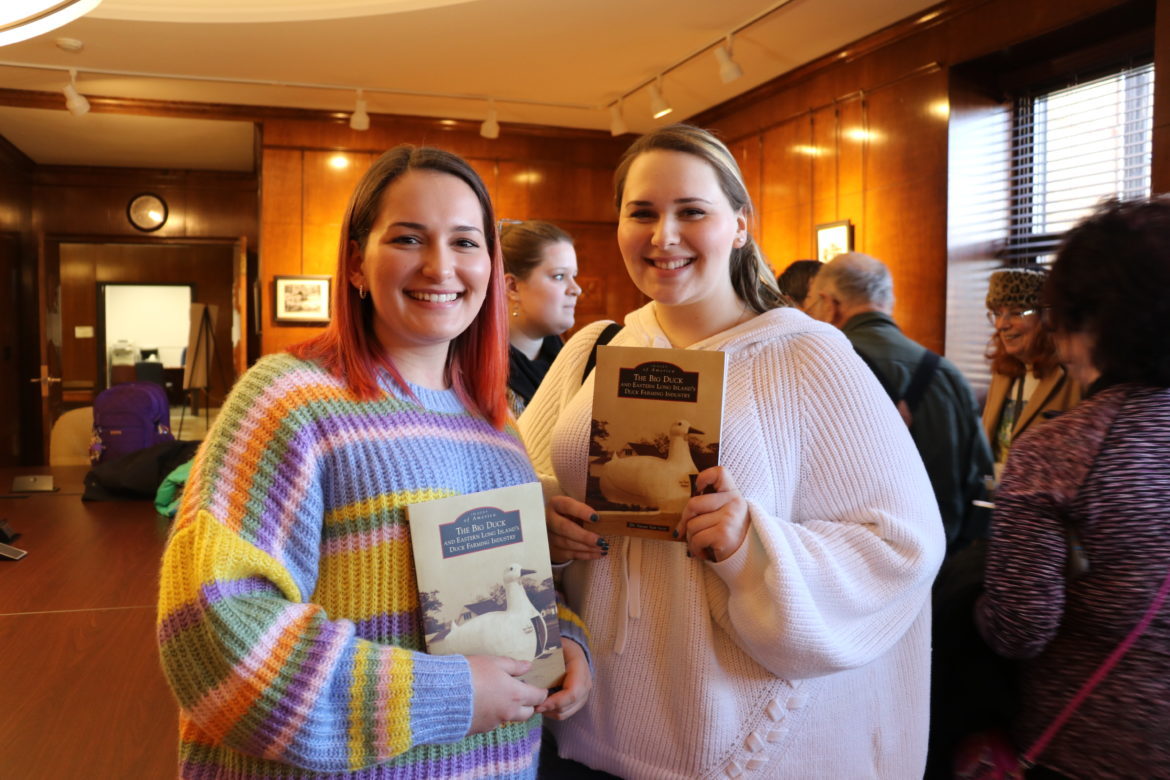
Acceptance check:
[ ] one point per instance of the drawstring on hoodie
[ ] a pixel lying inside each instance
(631, 596)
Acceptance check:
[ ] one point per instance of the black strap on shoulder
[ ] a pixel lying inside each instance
(921, 379)
(881, 378)
(603, 338)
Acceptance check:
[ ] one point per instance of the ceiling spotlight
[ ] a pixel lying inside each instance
(491, 126)
(658, 105)
(729, 70)
(617, 123)
(359, 119)
(74, 100)
(71, 45)
(20, 21)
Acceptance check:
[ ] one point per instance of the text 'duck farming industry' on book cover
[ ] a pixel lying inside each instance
(657, 416)
(485, 581)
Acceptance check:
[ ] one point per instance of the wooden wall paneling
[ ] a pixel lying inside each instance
(906, 229)
(1160, 174)
(905, 219)
(908, 140)
(223, 212)
(750, 160)
(570, 192)
(18, 351)
(824, 148)
(1160, 165)
(789, 235)
(986, 27)
(488, 171)
(326, 190)
(321, 244)
(851, 206)
(79, 359)
(608, 292)
(786, 193)
(571, 147)
(852, 149)
(748, 119)
(15, 189)
(281, 253)
(195, 211)
(282, 208)
(281, 237)
(512, 197)
(280, 192)
(582, 147)
(14, 340)
(327, 187)
(71, 202)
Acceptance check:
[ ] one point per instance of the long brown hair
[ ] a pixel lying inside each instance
(751, 277)
(477, 362)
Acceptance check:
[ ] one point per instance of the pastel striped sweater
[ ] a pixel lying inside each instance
(289, 624)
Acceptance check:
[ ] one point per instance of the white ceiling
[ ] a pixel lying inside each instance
(563, 62)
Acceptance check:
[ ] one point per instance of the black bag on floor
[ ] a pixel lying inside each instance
(138, 474)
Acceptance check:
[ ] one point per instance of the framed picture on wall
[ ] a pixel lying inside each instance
(301, 299)
(834, 238)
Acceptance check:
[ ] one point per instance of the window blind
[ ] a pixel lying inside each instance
(1072, 147)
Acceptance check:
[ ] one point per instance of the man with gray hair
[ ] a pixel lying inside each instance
(855, 293)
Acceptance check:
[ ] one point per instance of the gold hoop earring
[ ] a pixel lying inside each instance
(361, 291)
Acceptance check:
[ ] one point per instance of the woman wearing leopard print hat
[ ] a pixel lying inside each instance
(1028, 384)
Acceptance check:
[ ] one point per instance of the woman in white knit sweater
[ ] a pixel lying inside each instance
(789, 635)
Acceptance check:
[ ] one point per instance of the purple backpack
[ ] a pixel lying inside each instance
(129, 417)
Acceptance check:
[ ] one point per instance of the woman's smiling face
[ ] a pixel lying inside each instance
(676, 231)
(425, 264)
(1017, 332)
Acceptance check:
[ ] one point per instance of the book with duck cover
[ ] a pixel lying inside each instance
(657, 418)
(485, 581)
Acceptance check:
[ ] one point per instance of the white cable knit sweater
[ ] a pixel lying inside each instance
(806, 654)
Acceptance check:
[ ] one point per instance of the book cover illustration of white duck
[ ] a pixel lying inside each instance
(657, 419)
(485, 580)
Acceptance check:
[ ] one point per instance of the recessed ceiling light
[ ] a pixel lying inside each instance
(69, 44)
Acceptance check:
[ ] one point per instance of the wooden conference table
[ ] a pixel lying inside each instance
(81, 690)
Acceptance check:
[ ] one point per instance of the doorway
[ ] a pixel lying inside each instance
(71, 271)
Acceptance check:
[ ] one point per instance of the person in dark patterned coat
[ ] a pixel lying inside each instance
(1081, 533)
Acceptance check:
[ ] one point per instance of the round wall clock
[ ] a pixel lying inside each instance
(147, 212)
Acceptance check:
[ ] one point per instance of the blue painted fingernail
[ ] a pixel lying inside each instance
(603, 544)
(594, 517)
(674, 534)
